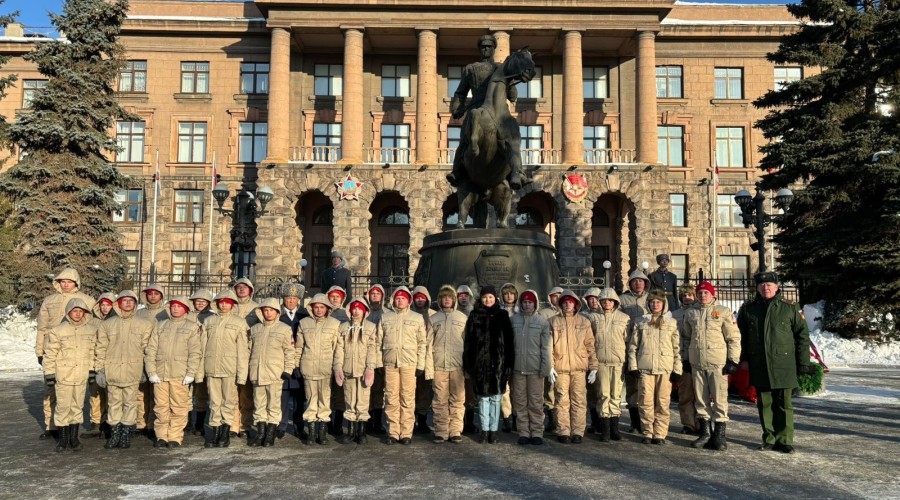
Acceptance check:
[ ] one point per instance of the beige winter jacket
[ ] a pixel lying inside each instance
(448, 332)
(713, 337)
(317, 341)
(611, 332)
(355, 352)
(70, 348)
(533, 343)
(121, 342)
(653, 348)
(633, 305)
(573, 341)
(271, 352)
(174, 350)
(246, 307)
(226, 348)
(53, 308)
(402, 339)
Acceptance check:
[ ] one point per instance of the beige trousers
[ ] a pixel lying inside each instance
(49, 406)
(243, 412)
(686, 401)
(99, 404)
(711, 394)
(267, 403)
(123, 405)
(172, 403)
(528, 399)
(356, 400)
(449, 403)
(654, 394)
(609, 391)
(571, 409)
(69, 404)
(223, 398)
(400, 400)
(318, 400)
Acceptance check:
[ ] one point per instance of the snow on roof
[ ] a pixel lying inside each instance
(208, 19)
(26, 39)
(725, 22)
(734, 4)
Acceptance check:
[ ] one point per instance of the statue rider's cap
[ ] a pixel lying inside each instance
(487, 40)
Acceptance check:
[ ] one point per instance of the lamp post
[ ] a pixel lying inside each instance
(243, 223)
(606, 265)
(753, 212)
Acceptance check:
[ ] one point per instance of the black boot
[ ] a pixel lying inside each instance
(260, 435)
(350, 436)
(492, 437)
(224, 439)
(361, 433)
(595, 422)
(321, 433)
(199, 422)
(614, 429)
(421, 424)
(703, 435)
(74, 443)
(114, 438)
(105, 431)
(718, 438)
(507, 425)
(211, 437)
(63, 441)
(378, 422)
(127, 432)
(310, 433)
(483, 438)
(469, 422)
(635, 415)
(604, 429)
(551, 422)
(270, 434)
(337, 423)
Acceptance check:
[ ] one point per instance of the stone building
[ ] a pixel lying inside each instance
(641, 99)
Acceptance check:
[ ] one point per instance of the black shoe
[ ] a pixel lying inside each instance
(604, 430)
(507, 425)
(211, 437)
(614, 433)
(160, 443)
(765, 447)
(564, 439)
(361, 433)
(114, 438)
(438, 440)
(469, 422)
(74, 443)
(350, 436)
(127, 432)
(48, 435)
(279, 433)
(270, 434)
(594, 428)
(322, 432)
(523, 440)
(784, 448)
(635, 415)
(455, 439)
(390, 441)
(537, 441)
(92, 432)
(576, 439)
(703, 437)
(658, 441)
(406, 441)
(224, 439)
(421, 424)
(199, 423)
(645, 441)
(63, 442)
(174, 444)
(483, 437)
(492, 437)
(260, 435)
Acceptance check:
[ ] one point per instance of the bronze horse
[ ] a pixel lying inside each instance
(493, 161)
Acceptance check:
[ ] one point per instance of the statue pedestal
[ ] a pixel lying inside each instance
(478, 257)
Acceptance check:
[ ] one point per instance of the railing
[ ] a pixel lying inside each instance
(541, 156)
(315, 154)
(186, 284)
(399, 156)
(733, 292)
(406, 156)
(600, 156)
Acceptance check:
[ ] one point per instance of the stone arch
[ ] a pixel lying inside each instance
(540, 204)
(314, 216)
(389, 227)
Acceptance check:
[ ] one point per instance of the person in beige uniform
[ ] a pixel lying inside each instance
(376, 399)
(611, 329)
(548, 312)
(336, 298)
(531, 366)
(119, 361)
(465, 304)
(590, 307)
(246, 308)
(272, 360)
(634, 304)
(714, 352)
(686, 407)
(201, 302)
(421, 304)
(172, 361)
(226, 354)
(317, 339)
(401, 352)
(51, 313)
(444, 366)
(573, 358)
(97, 395)
(68, 365)
(354, 368)
(655, 361)
(155, 311)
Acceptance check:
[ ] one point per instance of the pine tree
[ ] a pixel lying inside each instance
(7, 80)
(837, 132)
(64, 187)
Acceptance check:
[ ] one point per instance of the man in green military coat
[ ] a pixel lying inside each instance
(775, 345)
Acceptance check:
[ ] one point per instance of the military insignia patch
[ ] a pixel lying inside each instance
(575, 188)
(348, 188)
(715, 314)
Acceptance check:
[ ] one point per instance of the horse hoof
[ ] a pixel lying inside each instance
(460, 226)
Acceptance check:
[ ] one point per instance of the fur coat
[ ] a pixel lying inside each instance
(488, 352)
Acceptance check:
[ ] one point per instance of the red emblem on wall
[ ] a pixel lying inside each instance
(575, 188)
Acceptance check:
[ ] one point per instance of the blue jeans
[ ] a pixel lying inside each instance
(489, 411)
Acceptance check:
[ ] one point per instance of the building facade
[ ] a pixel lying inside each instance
(644, 100)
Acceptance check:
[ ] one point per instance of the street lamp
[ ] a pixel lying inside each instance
(753, 212)
(606, 265)
(243, 223)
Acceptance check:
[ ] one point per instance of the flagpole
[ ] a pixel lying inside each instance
(211, 218)
(714, 218)
(153, 237)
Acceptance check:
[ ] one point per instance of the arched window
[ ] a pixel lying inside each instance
(324, 216)
(453, 218)
(600, 218)
(529, 217)
(393, 216)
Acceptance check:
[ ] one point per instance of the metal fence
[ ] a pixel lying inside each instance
(734, 292)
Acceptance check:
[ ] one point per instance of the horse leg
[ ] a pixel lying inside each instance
(517, 177)
(466, 199)
(501, 198)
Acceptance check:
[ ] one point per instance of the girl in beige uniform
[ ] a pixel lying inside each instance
(354, 368)
(272, 359)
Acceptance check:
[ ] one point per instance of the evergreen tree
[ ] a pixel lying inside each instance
(7, 80)
(64, 188)
(837, 132)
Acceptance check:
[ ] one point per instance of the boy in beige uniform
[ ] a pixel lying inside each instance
(154, 311)
(354, 369)
(272, 360)
(686, 406)
(444, 365)
(97, 395)
(317, 339)
(532, 365)
(245, 308)
(611, 327)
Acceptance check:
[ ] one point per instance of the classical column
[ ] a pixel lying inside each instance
(352, 124)
(573, 100)
(502, 50)
(646, 98)
(426, 99)
(279, 96)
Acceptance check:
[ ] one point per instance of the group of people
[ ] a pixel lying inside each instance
(346, 364)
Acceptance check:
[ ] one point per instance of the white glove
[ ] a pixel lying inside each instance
(154, 379)
(553, 375)
(592, 376)
(188, 380)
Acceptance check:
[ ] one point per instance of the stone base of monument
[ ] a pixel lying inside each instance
(478, 257)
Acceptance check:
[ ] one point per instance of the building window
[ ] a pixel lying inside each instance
(324, 217)
(133, 77)
(678, 265)
(395, 80)
(254, 78)
(670, 146)
(395, 144)
(729, 146)
(734, 267)
(185, 264)
(393, 259)
(253, 141)
(329, 79)
(729, 83)
(530, 218)
(729, 212)
(595, 81)
(321, 260)
(192, 142)
(195, 77)
(454, 78)
(668, 82)
(532, 143)
(131, 201)
(394, 216)
(599, 255)
(453, 218)
(29, 88)
(130, 139)
(329, 136)
(132, 257)
(785, 75)
(678, 204)
(596, 142)
(189, 206)
(532, 89)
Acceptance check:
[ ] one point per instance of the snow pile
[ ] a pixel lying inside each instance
(837, 351)
(17, 335)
